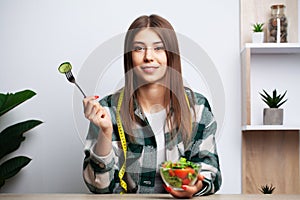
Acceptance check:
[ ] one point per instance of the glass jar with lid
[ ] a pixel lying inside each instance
(278, 24)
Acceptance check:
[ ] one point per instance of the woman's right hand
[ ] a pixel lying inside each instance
(94, 112)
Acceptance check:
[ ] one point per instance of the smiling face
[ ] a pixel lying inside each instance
(149, 57)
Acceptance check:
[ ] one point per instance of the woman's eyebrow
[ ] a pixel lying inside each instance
(140, 42)
(158, 42)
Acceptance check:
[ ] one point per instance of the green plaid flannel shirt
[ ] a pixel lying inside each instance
(101, 173)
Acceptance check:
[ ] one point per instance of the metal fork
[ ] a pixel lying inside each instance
(71, 78)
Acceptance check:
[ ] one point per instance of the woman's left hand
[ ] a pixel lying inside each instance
(189, 191)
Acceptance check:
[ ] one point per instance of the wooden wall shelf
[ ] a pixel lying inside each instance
(273, 48)
(270, 128)
(270, 154)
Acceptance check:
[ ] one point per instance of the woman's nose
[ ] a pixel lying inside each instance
(148, 55)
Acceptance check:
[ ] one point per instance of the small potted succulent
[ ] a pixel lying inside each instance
(258, 33)
(273, 115)
(266, 189)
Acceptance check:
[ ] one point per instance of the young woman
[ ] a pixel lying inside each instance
(151, 119)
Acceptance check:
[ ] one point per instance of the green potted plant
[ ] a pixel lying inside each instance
(12, 136)
(258, 33)
(273, 115)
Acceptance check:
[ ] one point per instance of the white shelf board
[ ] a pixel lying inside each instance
(269, 127)
(273, 48)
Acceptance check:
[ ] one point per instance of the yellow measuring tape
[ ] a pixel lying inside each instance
(188, 103)
(187, 100)
(123, 143)
(123, 140)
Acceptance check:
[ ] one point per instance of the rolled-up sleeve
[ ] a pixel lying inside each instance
(98, 171)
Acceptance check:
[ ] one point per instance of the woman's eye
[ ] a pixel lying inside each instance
(160, 48)
(142, 49)
(138, 48)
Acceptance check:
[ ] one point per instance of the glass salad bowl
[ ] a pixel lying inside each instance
(182, 172)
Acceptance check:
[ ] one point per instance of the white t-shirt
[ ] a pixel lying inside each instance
(157, 122)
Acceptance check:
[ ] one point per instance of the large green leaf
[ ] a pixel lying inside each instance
(11, 167)
(9, 101)
(12, 136)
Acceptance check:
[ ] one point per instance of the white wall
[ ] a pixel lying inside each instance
(36, 36)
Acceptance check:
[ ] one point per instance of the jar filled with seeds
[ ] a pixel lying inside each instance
(278, 24)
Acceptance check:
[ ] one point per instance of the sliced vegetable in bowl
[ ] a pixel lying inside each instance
(182, 172)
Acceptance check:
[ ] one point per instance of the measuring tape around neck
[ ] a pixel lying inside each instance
(188, 103)
(123, 143)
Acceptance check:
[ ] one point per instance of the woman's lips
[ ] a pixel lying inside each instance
(149, 69)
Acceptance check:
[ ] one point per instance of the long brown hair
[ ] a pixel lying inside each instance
(178, 112)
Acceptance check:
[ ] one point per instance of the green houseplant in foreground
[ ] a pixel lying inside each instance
(273, 115)
(12, 136)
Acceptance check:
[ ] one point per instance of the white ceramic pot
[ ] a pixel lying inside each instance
(258, 37)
